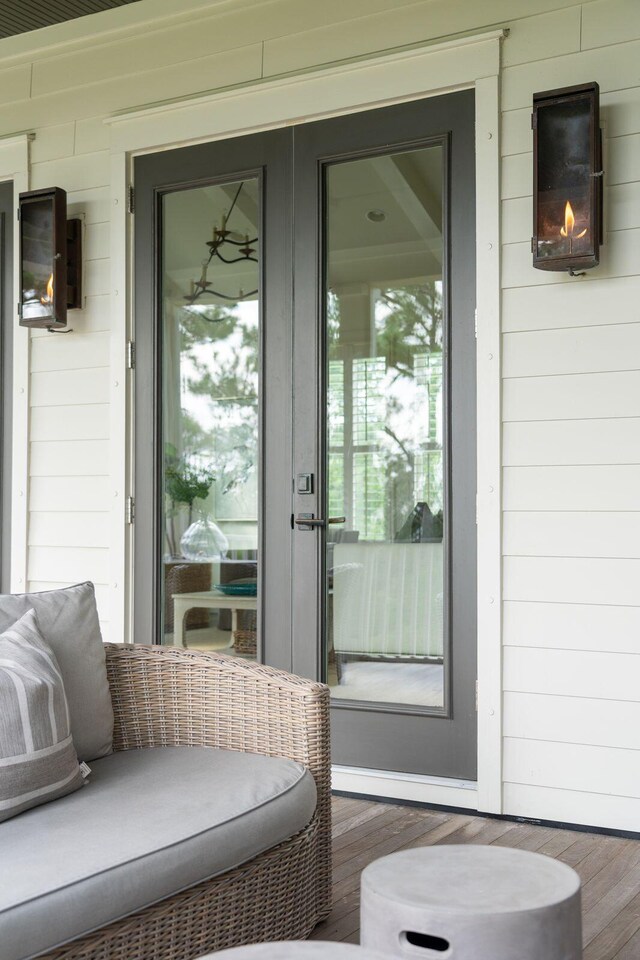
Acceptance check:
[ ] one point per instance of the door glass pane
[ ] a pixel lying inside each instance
(385, 590)
(210, 391)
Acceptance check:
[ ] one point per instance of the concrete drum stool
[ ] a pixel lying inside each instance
(471, 903)
(297, 950)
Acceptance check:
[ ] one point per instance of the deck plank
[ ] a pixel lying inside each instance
(609, 867)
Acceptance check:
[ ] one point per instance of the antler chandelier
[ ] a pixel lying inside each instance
(221, 240)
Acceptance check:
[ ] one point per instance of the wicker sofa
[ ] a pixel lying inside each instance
(165, 697)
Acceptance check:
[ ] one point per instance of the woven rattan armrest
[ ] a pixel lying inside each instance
(166, 696)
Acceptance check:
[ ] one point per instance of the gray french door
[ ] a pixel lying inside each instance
(305, 417)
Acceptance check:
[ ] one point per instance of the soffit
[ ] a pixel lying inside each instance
(22, 16)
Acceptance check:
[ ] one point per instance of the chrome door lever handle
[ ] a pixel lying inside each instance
(309, 521)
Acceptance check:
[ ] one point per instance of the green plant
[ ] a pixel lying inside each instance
(185, 482)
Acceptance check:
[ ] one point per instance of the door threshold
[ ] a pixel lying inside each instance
(414, 787)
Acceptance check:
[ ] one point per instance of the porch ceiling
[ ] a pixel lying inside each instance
(22, 16)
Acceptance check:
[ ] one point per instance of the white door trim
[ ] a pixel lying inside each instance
(14, 165)
(413, 73)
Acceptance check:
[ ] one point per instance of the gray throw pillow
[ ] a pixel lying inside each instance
(68, 620)
(38, 761)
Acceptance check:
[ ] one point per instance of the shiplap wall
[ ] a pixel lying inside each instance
(571, 367)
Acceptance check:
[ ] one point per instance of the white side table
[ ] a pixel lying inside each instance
(209, 600)
(471, 903)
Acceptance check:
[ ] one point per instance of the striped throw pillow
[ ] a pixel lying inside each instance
(38, 761)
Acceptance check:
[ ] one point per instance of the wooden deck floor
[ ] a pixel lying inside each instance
(609, 867)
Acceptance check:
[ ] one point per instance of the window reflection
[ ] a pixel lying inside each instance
(385, 408)
(210, 417)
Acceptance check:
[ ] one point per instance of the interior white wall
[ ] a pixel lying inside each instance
(570, 377)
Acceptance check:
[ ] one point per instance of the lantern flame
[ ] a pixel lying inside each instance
(46, 300)
(569, 224)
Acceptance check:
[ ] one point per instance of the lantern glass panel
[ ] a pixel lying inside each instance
(565, 184)
(37, 219)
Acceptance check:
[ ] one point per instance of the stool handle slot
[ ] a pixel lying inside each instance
(426, 941)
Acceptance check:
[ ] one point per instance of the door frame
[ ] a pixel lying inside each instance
(419, 72)
(6, 375)
(14, 166)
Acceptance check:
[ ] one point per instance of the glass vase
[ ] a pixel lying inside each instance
(204, 540)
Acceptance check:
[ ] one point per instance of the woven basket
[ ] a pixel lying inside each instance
(245, 642)
(181, 576)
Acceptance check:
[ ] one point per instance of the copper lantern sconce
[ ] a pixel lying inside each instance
(50, 259)
(567, 179)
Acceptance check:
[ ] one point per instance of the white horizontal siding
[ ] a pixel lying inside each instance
(68, 386)
(72, 566)
(572, 766)
(76, 353)
(613, 73)
(571, 806)
(567, 442)
(572, 580)
(70, 422)
(597, 303)
(572, 626)
(578, 534)
(70, 529)
(571, 389)
(586, 487)
(572, 673)
(578, 350)
(93, 204)
(585, 396)
(588, 721)
(609, 21)
(69, 458)
(67, 494)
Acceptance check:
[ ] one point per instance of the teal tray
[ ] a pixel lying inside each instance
(238, 589)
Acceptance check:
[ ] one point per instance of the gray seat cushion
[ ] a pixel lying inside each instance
(149, 823)
(68, 620)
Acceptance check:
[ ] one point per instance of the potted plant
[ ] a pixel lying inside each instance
(186, 481)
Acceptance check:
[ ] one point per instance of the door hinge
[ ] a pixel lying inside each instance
(476, 696)
(130, 512)
(534, 121)
(476, 509)
(475, 322)
(131, 354)
(131, 200)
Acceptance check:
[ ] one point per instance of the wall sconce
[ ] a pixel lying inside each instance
(50, 259)
(567, 179)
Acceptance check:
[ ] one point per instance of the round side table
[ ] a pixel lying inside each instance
(471, 903)
(297, 950)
